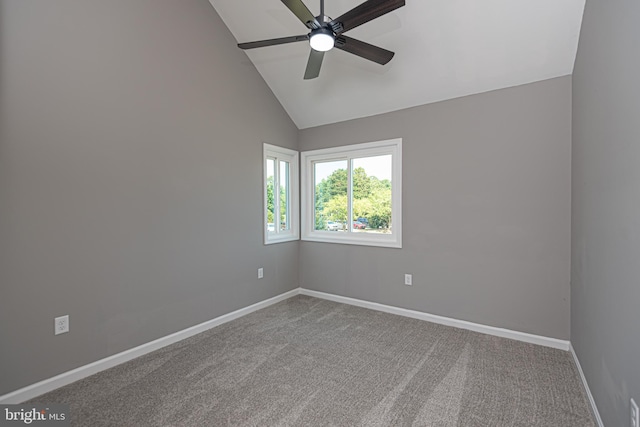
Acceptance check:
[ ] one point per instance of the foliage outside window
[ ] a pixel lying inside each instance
(280, 194)
(352, 194)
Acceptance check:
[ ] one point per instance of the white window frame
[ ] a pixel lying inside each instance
(349, 152)
(291, 156)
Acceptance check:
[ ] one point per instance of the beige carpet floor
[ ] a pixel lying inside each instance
(308, 362)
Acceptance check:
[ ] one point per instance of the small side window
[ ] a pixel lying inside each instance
(281, 219)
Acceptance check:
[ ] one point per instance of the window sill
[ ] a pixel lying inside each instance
(269, 240)
(344, 239)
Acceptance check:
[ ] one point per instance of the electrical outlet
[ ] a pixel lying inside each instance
(61, 325)
(408, 279)
(635, 415)
(260, 273)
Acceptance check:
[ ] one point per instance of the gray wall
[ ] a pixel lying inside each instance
(130, 178)
(605, 280)
(486, 211)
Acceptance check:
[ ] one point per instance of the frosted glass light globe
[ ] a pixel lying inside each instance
(321, 42)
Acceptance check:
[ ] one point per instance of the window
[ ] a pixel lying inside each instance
(280, 194)
(353, 194)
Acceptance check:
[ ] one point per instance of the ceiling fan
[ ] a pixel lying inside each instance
(327, 33)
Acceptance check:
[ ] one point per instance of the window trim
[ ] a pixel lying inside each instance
(348, 152)
(290, 156)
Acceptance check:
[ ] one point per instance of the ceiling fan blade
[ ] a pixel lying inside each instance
(366, 12)
(302, 12)
(313, 65)
(272, 42)
(364, 50)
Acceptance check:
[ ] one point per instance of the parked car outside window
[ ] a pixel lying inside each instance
(333, 226)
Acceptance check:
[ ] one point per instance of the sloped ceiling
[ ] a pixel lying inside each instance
(444, 49)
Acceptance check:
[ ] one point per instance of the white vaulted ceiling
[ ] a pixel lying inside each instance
(444, 49)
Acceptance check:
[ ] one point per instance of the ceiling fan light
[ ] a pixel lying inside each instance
(322, 41)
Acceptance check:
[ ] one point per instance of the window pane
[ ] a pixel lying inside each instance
(271, 204)
(330, 203)
(371, 177)
(284, 196)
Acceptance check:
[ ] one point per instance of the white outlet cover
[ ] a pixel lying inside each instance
(260, 273)
(635, 414)
(408, 279)
(61, 325)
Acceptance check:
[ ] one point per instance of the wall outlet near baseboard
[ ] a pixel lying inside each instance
(61, 325)
(408, 279)
(635, 415)
(260, 273)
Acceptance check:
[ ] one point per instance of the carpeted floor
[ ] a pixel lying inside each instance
(306, 362)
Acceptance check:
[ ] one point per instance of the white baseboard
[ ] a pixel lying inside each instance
(463, 324)
(594, 408)
(65, 378)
